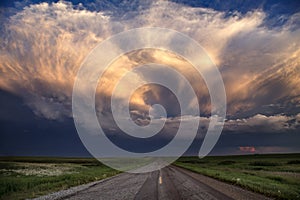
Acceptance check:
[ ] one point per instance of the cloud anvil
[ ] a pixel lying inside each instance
(256, 49)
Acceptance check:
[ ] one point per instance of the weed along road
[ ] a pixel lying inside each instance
(168, 183)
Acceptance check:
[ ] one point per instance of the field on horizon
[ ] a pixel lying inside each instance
(274, 175)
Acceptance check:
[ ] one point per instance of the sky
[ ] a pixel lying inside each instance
(254, 45)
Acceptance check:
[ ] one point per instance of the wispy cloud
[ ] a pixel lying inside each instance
(44, 45)
(263, 124)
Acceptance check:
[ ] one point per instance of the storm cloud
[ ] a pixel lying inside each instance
(44, 44)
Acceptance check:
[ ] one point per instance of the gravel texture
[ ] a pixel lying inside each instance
(169, 183)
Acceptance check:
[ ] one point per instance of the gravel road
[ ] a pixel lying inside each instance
(169, 183)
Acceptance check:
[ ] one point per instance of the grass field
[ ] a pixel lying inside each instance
(276, 176)
(28, 177)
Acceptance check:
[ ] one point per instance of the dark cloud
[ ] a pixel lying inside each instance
(22, 133)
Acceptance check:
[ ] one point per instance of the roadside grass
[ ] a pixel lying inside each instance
(29, 177)
(276, 176)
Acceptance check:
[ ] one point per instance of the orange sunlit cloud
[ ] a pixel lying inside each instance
(256, 62)
(247, 149)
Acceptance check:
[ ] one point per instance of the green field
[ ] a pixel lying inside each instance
(276, 176)
(28, 177)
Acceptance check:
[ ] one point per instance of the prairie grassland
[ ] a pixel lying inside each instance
(276, 176)
(28, 177)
